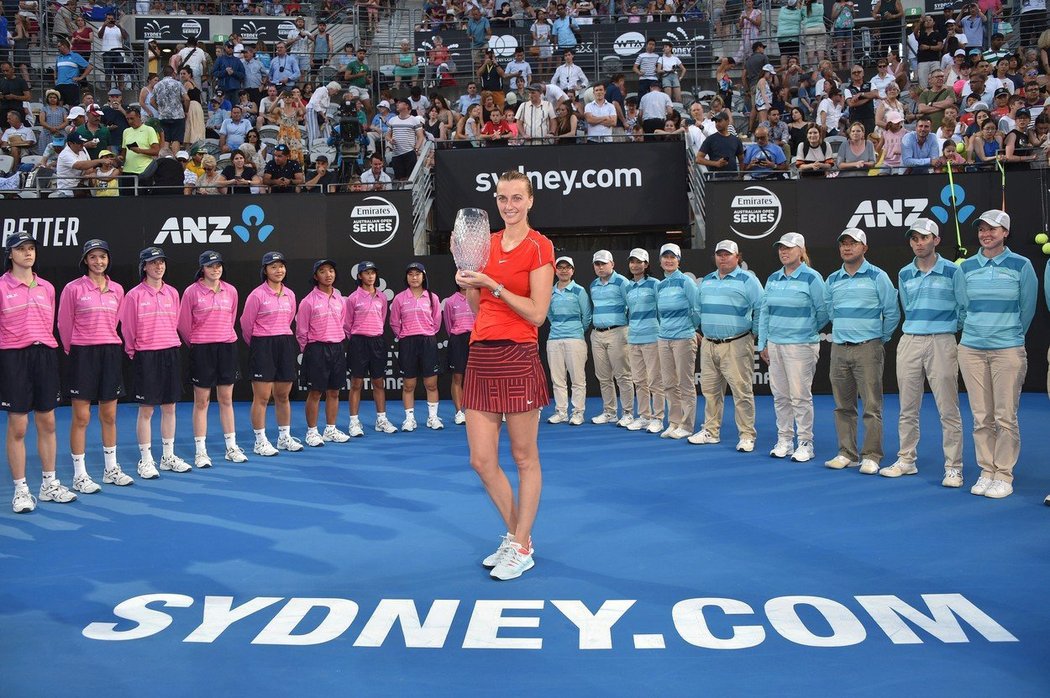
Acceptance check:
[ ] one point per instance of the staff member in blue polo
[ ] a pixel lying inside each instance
(728, 298)
(678, 308)
(1001, 290)
(609, 340)
(793, 312)
(643, 349)
(862, 307)
(570, 316)
(933, 296)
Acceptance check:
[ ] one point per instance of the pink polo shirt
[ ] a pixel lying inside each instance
(87, 315)
(27, 314)
(415, 316)
(206, 316)
(459, 318)
(149, 318)
(320, 318)
(267, 313)
(365, 313)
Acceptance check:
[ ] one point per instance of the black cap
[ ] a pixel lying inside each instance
(17, 240)
(1023, 112)
(74, 137)
(208, 257)
(757, 45)
(149, 254)
(418, 266)
(367, 266)
(268, 259)
(281, 148)
(320, 263)
(90, 245)
(1002, 92)
(719, 116)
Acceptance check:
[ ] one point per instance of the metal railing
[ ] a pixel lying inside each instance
(421, 181)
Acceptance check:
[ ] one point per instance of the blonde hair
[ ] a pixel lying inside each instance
(208, 161)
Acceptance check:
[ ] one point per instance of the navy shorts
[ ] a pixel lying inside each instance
(95, 372)
(458, 350)
(29, 379)
(418, 356)
(174, 129)
(324, 366)
(367, 356)
(213, 364)
(273, 359)
(158, 376)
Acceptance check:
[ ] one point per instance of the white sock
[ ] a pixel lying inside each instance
(284, 432)
(167, 447)
(199, 445)
(49, 475)
(410, 412)
(20, 483)
(260, 435)
(78, 465)
(231, 441)
(109, 455)
(145, 454)
(329, 426)
(380, 415)
(432, 409)
(311, 430)
(355, 419)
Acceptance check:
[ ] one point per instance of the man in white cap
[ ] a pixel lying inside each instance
(677, 305)
(570, 316)
(609, 340)
(932, 295)
(728, 297)
(862, 307)
(317, 111)
(1001, 291)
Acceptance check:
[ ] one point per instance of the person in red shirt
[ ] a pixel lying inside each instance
(504, 376)
(496, 131)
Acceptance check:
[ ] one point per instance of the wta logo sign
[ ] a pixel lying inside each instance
(755, 213)
(374, 222)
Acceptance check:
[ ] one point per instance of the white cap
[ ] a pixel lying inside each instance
(564, 258)
(604, 256)
(924, 226)
(672, 248)
(855, 233)
(791, 240)
(77, 111)
(768, 68)
(383, 104)
(995, 218)
(182, 154)
(959, 52)
(639, 254)
(727, 245)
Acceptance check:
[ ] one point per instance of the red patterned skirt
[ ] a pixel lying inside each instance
(504, 376)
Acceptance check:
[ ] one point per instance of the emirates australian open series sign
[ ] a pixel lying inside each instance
(263, 28)
(168, 29)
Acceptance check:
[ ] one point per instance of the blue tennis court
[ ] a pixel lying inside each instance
(662, 568)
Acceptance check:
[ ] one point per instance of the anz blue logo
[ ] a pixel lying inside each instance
(213, 230)
(962, 212)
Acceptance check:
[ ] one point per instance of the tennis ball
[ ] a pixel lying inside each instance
(960, 148)
(1046, 248)
(1042, 239)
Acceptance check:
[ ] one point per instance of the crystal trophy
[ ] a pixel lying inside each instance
(471, 237)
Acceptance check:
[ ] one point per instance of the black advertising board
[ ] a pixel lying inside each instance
(608, 185)
(168, 29)
(268, 29)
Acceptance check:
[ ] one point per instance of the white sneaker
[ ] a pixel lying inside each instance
(55, 492)
(899, 468)
(116, 476)
(460, 418)
(236, 455)
(666, 433)
(625, 420)
(557, 418)
(409, 424)
(803, 453)
(746, 445)
(952, 478)
(85, 485)
(999, 489)
(1046, 500)
(264, 448)
(355, 430)
(783, 449)
(703, 437)
(201, 460)
(576, 419)
(23, 502)
(289, 443)
(868, 467)
(681, 433)
(174, 464)
(655, 426)
(314, 439)
(604, 418)
(331, 433)
(981, 486)
(435, 423)
(385, 425)
(148, 470)
(839, 462)
(504, 543)
(638, 423)
(513, 563)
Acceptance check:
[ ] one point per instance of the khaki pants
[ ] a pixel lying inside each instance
(732, 364)
(568, 356)
(678, 368)
(857, 371)
(933, 357)
(644, 360)
(791, 368)
(993, 379)
(609, 351)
